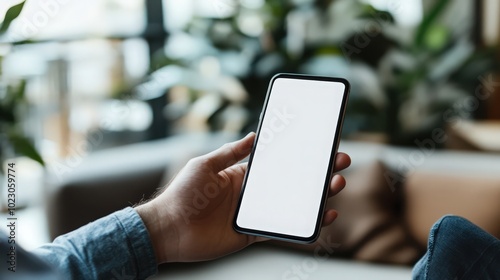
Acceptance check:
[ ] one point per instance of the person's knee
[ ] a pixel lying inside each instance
(452, 220)
(457, 247)
(451, 228)
(451, 231)
(451, 223)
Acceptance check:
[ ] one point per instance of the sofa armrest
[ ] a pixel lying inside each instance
(431, 195)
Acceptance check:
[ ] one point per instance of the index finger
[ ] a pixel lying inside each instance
(342, 161)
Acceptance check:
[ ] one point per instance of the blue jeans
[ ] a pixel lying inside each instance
(458, 249)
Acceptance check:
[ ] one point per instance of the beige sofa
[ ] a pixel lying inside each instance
(392, 198)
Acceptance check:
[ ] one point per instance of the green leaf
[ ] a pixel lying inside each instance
(6, 114)
(15, 97)
(24, 147)
(428, 21)
(370, 13)
(436, 37)
(11, 15)
(19, 91)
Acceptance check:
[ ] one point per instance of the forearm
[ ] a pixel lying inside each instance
(115, 246)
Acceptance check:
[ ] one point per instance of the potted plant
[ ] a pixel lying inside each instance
(13, 104)
(401, 84)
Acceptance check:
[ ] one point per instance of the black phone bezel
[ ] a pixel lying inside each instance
(333, 152)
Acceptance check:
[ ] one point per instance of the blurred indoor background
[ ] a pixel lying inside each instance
(81, 77)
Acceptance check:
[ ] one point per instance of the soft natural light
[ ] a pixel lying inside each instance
(491, 22)
(69, 19)
(179, 13)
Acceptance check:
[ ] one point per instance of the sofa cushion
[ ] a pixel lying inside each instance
(369, 226)
(431, 195)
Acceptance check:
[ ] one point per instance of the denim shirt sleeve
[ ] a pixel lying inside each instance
(114, 247)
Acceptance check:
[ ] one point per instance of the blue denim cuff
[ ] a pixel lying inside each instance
(140, 243)
(117, 246)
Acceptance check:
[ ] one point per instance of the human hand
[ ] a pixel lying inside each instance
(191, 220)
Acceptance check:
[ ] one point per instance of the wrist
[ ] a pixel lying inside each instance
(161, 232)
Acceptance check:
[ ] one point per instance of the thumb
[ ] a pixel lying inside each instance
(230, 153)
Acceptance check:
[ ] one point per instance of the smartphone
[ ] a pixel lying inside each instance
(286, 184)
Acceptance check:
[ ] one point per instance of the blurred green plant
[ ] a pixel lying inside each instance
(403, 79)
(425, 76)
(12, 104)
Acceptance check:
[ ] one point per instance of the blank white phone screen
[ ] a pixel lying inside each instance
(284, 187)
